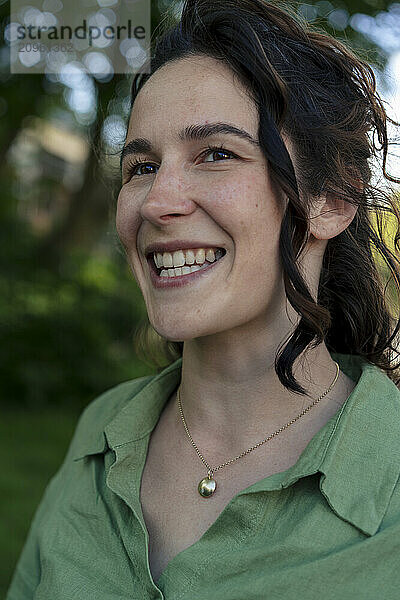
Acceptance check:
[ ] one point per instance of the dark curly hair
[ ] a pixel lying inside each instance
(314, 89)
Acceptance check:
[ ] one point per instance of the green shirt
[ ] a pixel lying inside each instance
(326, 528)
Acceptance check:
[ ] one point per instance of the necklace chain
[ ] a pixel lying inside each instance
(303, 412)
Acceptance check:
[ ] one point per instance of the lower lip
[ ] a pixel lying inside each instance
(180, 280)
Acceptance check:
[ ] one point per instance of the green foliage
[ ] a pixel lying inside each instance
(66, 333)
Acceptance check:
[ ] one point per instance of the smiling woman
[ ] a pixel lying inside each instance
(263, 462)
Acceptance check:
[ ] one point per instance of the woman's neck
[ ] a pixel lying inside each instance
(232, 396)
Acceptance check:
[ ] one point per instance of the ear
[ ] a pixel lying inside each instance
(330, 215)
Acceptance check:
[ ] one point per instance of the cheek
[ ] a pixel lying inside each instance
(249, 210)
(126, 219)
(247, 207)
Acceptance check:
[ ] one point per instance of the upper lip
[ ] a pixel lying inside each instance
(177, 245)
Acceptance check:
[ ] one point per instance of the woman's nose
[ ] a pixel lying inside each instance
(168, 197)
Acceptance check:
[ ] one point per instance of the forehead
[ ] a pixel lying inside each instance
(193, 89)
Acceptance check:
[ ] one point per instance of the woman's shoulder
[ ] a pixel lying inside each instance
(88, 436)
(109, 402)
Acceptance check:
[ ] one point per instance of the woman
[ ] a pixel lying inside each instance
(263, 462)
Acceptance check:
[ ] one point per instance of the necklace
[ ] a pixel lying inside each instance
(208, 485)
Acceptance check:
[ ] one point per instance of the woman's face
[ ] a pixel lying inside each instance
(187, 193)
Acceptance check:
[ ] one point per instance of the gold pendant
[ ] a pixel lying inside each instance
(207, 486)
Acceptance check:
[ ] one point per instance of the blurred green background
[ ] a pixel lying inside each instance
(69, 304)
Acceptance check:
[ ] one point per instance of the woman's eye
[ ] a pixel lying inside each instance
(134, 170)
(212, 151)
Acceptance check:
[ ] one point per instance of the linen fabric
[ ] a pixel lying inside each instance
(326, 528)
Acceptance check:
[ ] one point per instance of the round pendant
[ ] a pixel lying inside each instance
(207, 487)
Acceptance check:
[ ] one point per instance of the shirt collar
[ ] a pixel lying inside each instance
(356, 451)
(361, 460)
(125, 413)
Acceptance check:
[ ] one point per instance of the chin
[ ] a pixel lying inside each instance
(178, 331)
(173, 332)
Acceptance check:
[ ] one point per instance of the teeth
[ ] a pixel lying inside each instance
(200, 256)
(167, 259)
(185, 271)
(210, 256)
(179, 258)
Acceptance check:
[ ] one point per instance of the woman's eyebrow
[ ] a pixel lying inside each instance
(190, 133)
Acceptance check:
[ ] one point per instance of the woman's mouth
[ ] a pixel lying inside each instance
(173, 269)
